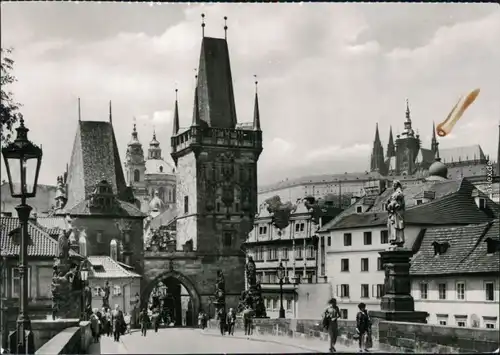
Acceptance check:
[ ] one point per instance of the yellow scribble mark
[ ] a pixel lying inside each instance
(445, 127)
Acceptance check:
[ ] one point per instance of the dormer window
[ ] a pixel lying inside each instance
(359, 209)
(481, 203)
(419, 202)
(492, 245)
(440, 248)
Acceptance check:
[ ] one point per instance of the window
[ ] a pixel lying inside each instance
(490, 325)
(275, 303)
(489, 291)
(161, 169)
(263, 230)
(442, 322)
(364, 264)
(274, 254)
(442, 291)
(15, 289)
(170, 195)
(117, 290)
(424, 289)
(460, 291)
(310, 252)
(329, 241)
(113, 246)
(461, 321)
(299, 227)
(126, 236)
(298, 253)
(186, 204)
(359, 209)
(419, 202)
(217, 207)
(367, 238)
(137, 175)
(127, 260)
(379, 291)
(347, 239)
(380, 264)
(82, 245)
(384, 237)
(259, 254)
(344, 290)
(284, 253)
(98, 237)
(288, 305)
(227, 239)
(482, 203)
(365, 291)
(343, 313)
(344, 265)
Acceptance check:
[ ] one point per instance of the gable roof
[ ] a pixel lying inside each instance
(95, 157)
(164, 218)
(104, 267)
(453, 204)
(467, 251)
(43, 245)
(215, 84)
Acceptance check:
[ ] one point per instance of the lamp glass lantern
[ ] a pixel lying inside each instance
(281, 271)
(84, 273)
(22, 163)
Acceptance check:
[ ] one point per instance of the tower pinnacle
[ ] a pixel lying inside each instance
(175, 128)
(225, 27)
(203, 25)
(256, 111)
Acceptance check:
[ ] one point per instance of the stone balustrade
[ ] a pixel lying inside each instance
(398, 337)
(73, 340)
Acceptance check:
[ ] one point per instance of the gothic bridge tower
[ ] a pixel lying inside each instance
(216, 200)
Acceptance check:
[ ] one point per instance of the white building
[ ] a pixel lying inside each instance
(455, 276)
(354, 239)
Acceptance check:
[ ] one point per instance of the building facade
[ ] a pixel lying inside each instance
(455, 276)
(152, 179)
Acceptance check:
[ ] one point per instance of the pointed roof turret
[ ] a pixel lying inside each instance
(110, 113)
(134, 141)
(377, 157)
(408, 131)
(434, 142)
(175, 128)
(154, 142)
(408, 119)
(391, 149)
(377, 135)
(256, 111)
(154, 151)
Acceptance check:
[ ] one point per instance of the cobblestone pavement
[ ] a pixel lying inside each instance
(190, 341)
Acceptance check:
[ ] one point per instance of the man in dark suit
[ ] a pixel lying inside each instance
(117, 321)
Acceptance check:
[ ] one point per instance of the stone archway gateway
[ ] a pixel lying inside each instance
(182, 280)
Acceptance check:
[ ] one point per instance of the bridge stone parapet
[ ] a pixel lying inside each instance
(72, 340)
(397, 337)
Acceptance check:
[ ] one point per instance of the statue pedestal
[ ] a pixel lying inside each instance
(397, 304)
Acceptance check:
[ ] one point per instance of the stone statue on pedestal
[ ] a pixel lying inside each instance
(252, 297)
(251, 272)
(220, 292)
(395, 207)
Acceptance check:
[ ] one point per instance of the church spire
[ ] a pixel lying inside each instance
(408, 119)
(110, 113)
(175, 129)
(256, 111)
(377, 157)
(196, 107)
(434, 143)
(135, 139)
(391, 149)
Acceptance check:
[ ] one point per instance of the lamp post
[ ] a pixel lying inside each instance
(22, 163)
(84, 275)
(281, 275)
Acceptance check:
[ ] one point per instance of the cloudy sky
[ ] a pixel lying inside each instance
(327, 73)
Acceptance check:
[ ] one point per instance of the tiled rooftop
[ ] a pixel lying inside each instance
(42, 245)
(121, 209)
(104, 267)
(467, 251)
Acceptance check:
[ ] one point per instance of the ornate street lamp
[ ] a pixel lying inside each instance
(281, 275)
(84, 275)
(22, 162)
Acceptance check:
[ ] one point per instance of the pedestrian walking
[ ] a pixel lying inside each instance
(247, 320)
(222, 321)
(94, 326)
(230, 320)
(118, 322)
(330, 317)
(363, 328)
(155, 319)
(144, 322)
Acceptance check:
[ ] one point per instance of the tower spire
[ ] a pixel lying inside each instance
(434, 143)
(391, 150)
(225, 28)
(203, 25)
(256, 111)
(377, 135)
(196, 108)
(175, 129)
(408, 119)
(377, 158)
(79, 111)
(110, 113)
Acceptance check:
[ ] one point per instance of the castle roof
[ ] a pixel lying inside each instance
(465, 153)
(95, 157)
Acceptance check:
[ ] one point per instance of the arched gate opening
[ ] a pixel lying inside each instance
(175, 297)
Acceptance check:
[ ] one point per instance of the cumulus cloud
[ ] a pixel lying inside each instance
(327, 73)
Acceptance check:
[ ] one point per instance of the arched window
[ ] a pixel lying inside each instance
(170, 196)
(82, 243)
(161, 169)
(137, 175)
(114, 250)
(161, 193)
